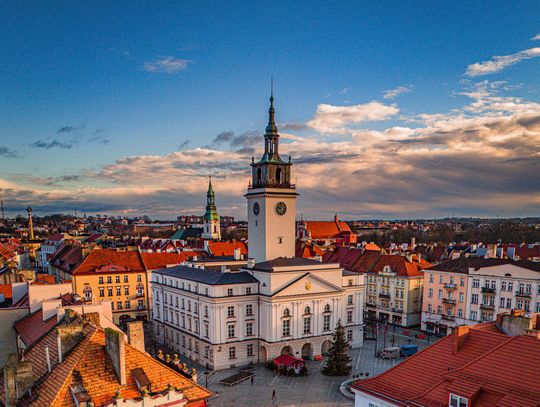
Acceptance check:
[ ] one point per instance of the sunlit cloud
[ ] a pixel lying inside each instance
(393, 93)
(167, 64)
(498, 63)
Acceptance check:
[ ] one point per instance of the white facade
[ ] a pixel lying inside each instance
(278, 304)
(271, 232)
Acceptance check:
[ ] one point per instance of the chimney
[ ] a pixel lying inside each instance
(68, 333)
(237, 254)
(251, 263)
(135, 333)
(115, 348)
(460, 335)
(413, 243)
(18, 379)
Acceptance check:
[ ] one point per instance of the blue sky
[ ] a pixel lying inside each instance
(116, 107)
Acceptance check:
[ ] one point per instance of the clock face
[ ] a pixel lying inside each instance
(281, 208)
(256, 208)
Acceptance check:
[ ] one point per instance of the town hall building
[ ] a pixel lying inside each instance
(278, 304)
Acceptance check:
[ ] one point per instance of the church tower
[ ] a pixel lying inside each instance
(211, 218)
(271, 201)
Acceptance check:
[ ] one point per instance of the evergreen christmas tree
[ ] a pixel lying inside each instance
(338, 362)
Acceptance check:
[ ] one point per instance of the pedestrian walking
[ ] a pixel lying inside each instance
(252, 379)
(274, 394)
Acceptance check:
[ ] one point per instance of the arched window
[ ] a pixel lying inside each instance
(286, 312)
(278, 175)
(307, 310)
(140, 290)
(87, 290)
(327, 308)
(259, 176)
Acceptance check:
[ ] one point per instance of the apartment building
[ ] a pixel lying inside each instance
(469, 290)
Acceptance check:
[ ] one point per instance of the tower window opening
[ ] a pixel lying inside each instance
(259, 176)
(279, 176)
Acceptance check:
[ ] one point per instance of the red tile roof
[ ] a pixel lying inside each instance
(89, 363)
(399, 265)
(6, 252)
(326, 229)
(492, 368)
(226, 248)
(308, 250)
(32, 327)
(44, 279)
(99, 258)
(67, 257)
(352, 259)
(155, 261)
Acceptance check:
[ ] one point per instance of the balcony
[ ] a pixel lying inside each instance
(382, 295)
(139, 294)
(371, 304)
(488, 290)
(448, 317)
(450, 286)
(487, 307)
(449, 301)
(523, 294)
(397, 310)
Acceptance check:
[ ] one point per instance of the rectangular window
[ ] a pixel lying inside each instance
(460, 313)
(126, 279)
(183, 303)
(229, 292)
(206, 291)
(430, 293)
(429, 308)
(101, 292)
(349, 335)
(286, 327)
(140, 304)
(109, 279)
(462, 282)
(128, 304)
(326, 322)
(431, 277)
(461, 297)
(139, 278)
(206, 330)
(249, 349)
(307, 325)
(230, 330)
(109, 291)
(232, 352)
(206, 311)
(117, 279)
(503, 285)
(440, 294)
(126, 290)
(509, 303)
(100, 280)
(510, 286)
(249, 328)
(230, 311)
(457, 401)
(349, 300)
(349, 316)
(474, 299)
(119, 305)
(248, 290)
(502, 302)
(249, 309)
(476, 283)
(118, 290)
(473, 316)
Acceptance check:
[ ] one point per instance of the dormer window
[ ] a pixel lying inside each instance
(458, 401)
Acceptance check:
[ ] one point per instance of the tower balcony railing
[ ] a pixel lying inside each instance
(271, 185)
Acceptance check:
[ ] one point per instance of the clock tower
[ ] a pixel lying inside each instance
(271, 201)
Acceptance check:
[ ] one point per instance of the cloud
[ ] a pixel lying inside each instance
(344, 91)
(331, 119)
(47, 145)
(393, 93)
(479, 159)
(6, 152)
(167, 64)
(69, 129)
(498, 63)
(536, 37)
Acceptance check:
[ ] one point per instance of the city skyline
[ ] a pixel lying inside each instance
(384, 117)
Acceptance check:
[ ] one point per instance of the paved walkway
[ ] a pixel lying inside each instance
(312, 390)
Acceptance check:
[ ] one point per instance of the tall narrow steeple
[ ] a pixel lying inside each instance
(211, 210)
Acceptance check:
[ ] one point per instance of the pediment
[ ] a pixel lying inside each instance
(307, 284)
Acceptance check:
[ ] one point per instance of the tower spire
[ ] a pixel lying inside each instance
(271, 128)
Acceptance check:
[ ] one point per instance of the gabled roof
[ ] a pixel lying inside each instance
(130, 260)
(326, 229)
(207, 276)
(32, 327)
(352, 259)
(399, 265)
(154, 261)
(89, 364)
(323, 284)
(419, 373)
(307, 250)
(226, 248)
(67, 257)
(462, 264)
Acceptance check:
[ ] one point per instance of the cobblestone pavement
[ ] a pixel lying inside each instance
(312, 390)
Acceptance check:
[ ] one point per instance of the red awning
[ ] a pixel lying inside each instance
(288, 360)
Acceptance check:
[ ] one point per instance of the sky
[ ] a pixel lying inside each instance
(395, 110)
